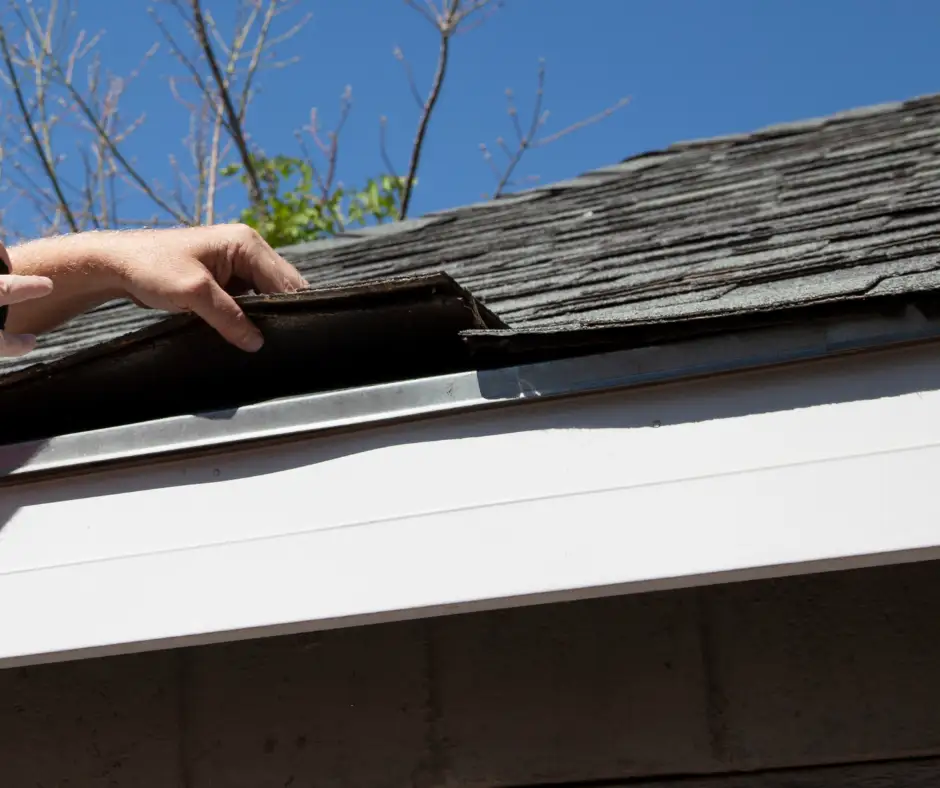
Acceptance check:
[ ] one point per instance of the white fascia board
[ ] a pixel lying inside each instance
(810, 467)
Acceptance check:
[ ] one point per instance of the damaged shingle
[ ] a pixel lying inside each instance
(317, 340)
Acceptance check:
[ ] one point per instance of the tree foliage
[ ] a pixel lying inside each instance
(290, 210)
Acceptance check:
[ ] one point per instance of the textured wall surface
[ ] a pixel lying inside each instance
(775, 679)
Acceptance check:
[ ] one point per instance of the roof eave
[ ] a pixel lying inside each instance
(711, 353)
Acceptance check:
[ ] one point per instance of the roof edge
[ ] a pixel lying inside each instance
(800, 125)
(375, 405)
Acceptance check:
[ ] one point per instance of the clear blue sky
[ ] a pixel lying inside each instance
(693, 68)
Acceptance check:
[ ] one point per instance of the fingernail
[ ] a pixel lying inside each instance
(254, 342)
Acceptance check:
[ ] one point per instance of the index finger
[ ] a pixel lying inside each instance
(15, 288)
(220, 311)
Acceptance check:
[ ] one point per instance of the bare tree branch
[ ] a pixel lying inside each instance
(255, 193)
(423, 121)
(52, 53)
(330, 148)
(64, 93)
(525, 140)
(105, 137)
(63, 204)
(206, 157)
(445, 30)
(178, 53)
(291, 31)
(255, 56)
(32, 192)
(251, 41)
(97, 114)
(449, 20)
(88, 192)
(212, 168)
(529, 139)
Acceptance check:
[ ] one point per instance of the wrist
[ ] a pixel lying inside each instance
(85, 274)
(83, 266)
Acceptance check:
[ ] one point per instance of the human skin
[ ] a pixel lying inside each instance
(196, 270)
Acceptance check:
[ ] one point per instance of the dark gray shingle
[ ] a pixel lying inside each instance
(829, 209)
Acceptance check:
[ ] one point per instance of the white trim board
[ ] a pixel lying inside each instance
(825, 465)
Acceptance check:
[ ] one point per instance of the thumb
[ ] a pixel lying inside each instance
(15, 288)
(15, 344)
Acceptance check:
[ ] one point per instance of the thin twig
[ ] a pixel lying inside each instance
(115, 151)
(179, 54)
(525, 140)
(112, 192)
(32, 195)
(428, 11)
(87, 192)
(255, 54)
(234, 53)
(213, 166)
(212, 150)
(101, 157)
(409, 75)
(330, 149)
(383, 149)
(602, 115)
(27, 119)
(529, 139)
(449, 20)
(291, 31)
(101, 125)
(488, 158)
(45, 36)
(255, 193)
(491, 7)
(305, 152)
(425, 119)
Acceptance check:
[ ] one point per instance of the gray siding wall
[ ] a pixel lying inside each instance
(771, 679)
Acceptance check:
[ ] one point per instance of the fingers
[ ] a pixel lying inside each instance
(220, 311)
(256, 262)
(237, 287)
(14, 288)
(15, 344)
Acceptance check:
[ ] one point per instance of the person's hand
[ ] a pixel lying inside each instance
(196, 270)
(199, 270)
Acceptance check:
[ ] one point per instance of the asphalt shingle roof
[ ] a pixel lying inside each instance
(835, 209)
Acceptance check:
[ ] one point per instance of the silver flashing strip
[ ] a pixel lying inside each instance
(381, 404)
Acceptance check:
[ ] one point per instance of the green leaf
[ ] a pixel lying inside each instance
(293, 210)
